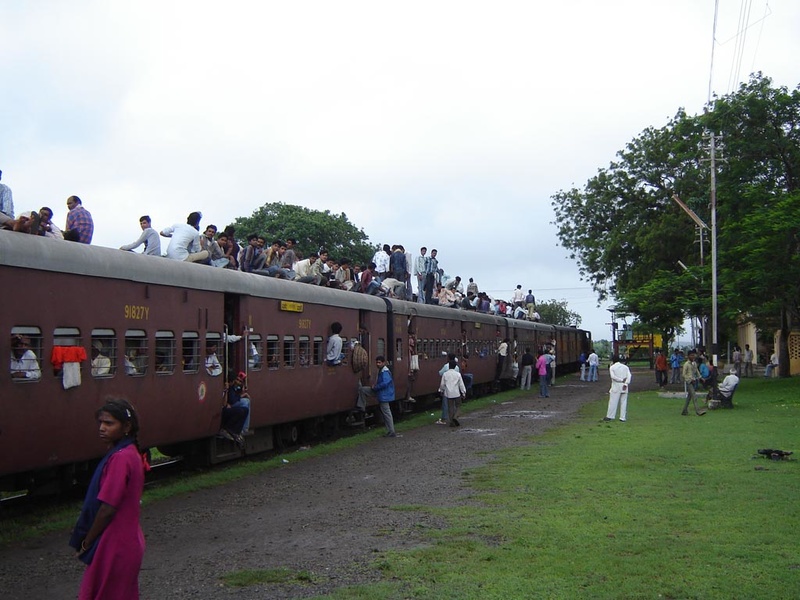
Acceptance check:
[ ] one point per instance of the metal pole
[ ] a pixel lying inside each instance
(714, 331)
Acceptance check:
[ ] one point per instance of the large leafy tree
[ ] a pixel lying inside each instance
(759, 191)
(313, 230)
(628, 235)
(556, 312)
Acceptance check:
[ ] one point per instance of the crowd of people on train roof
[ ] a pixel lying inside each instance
(390, 272)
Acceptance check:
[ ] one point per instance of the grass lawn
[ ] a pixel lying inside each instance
(663, 506)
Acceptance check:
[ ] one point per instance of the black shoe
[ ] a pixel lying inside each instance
(607, 419)
(685, 413)
(456, 423)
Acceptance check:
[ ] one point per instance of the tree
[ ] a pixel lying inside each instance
(556, 312)
(759, 191)
(628, 235)
(312, 229)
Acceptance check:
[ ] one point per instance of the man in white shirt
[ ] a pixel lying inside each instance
(421, 270)
(618, 394)
(149, 237)
(24, 364)
(728, 385)
(101, 364)
(594, 362)
(185, 242)
(213, 366)
(452, 387)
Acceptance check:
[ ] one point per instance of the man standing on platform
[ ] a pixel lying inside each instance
(618, 394)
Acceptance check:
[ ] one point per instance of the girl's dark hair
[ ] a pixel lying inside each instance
(124, 412)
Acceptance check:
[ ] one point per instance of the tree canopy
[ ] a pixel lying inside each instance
(313, 230)
(628, 235)
(556, 312)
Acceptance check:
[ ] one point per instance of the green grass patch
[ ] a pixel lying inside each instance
(248, 577)
(663, 506)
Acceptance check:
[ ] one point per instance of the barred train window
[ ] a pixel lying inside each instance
(289, 351)
(304, 357)
(26, 354)
(104, 353)
(213, 342)
(67, 337)
(190, 351)
(255, 354)
(273, 358)
(165, 352)
(319, 350)
(136, 352)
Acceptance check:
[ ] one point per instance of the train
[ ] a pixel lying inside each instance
(153, 318)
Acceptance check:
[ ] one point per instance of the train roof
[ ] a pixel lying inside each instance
(44, 254)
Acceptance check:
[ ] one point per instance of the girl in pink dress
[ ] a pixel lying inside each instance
(107, 536)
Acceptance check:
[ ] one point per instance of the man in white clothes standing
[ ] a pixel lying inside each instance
(618, 394)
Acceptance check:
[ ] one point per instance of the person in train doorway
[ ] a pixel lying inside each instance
(502, 354)
(360, 365)
(236, 411)
(383, 390)
(333, 353)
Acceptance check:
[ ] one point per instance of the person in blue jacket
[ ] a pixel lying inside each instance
(384, 391)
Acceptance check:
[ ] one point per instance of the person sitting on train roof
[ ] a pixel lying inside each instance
(79, 222)
(445, 296)
(368, 284)
(393, 288)
(216, 255)
(149, 237)
(101, 364)
(185, 242)
(213, 367)
(289, 258)
(520, 312)
(344, 275)
(455, 285)
(318, 269)
(272, 264)
(303, 270)
(251, 258)
(24, 364)
(236, 410)
(333, 351)
(226, 245)
(46, 226)
(233, 252)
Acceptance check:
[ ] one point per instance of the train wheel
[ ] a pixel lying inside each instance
(288, 435)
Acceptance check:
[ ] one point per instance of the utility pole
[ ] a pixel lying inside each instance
(714, 331)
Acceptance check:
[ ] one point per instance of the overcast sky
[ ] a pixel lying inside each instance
(444, 124)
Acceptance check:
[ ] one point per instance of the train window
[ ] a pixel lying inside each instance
(26, 352)
(190, 351)
(381, 347)
(104, 353)
(66, 336)
(398, 349)
(255, 356)
(136, 357)
(273, 358)
(165, 352)
(289, 351)
(214, 354)
(319, 350)
(305, 351)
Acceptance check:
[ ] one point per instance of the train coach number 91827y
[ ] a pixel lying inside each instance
(136, 312)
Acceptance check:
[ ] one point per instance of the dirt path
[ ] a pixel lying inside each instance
(326, 515)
